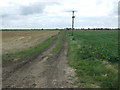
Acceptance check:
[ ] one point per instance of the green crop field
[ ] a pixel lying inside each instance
(94, 55)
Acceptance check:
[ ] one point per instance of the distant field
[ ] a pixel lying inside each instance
(94, 55)
(17, 41)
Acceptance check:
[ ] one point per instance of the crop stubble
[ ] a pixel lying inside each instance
(16, 41)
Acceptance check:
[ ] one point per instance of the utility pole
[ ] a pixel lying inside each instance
(73, 17)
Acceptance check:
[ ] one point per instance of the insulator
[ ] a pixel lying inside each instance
(73, 16)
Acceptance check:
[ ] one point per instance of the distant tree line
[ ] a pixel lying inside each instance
(94, 29)
(28, 29)
(21, 29)
(60, 29)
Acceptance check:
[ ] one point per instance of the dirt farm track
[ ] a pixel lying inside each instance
(42, 70)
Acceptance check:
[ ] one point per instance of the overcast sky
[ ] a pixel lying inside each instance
(56, 13)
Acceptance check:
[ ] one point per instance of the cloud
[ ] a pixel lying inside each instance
(35, 8)
(14, 8)
(55, 13)
(5, 15)
(9, 10)
(32, 9)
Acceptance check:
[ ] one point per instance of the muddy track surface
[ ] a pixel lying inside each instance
(45, 71)
(10, 67)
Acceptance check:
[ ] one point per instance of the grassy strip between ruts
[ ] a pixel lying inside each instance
(59, 43)
(92, 71)
(30, 51)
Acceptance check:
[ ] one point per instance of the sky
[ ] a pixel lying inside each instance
(51, 14)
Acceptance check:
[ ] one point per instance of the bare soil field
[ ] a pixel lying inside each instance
(16, 41)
